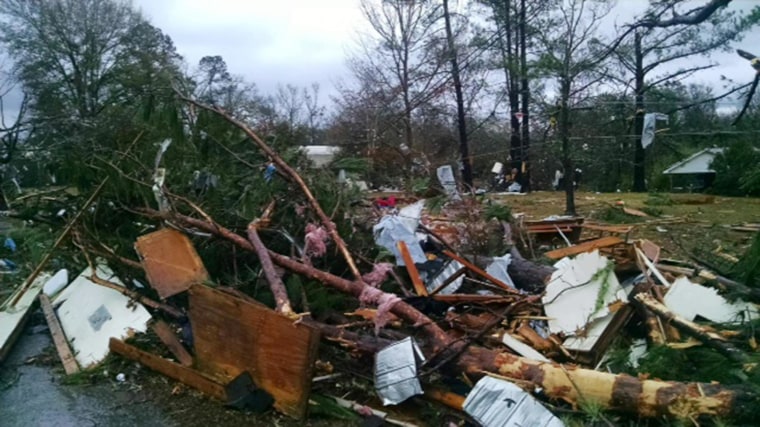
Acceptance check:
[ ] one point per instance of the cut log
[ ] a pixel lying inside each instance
(70, 365)
(709, 338)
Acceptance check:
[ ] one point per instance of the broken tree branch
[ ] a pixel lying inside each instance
(693, 17)
(323, 218)
(709, 338)
(282, 302)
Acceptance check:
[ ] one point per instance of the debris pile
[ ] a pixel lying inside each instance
(449, 309)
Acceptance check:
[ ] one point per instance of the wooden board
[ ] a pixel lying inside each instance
(604, 242)
(166, 335)
(70, 365)
(414, 274)
(172, 370)
(233, 335)
(170, 261)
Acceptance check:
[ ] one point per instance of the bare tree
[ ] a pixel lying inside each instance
(400, 57)
(572, 58)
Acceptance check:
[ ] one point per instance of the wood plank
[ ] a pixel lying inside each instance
(414, 274)
(233, 335)
(166, 335)
(172, 370)
(604, 242)
(70, 365)
(171, 263)
(480, 272)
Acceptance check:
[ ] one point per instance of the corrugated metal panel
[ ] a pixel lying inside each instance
(396, 371)
(498, 403)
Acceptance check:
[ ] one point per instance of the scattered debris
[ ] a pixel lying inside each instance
(15, 310)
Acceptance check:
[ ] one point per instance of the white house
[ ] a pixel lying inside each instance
(694, 172)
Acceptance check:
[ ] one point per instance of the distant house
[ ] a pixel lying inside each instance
(694, 173)
(321, 155)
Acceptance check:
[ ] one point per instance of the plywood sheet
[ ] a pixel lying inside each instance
(233, 335)
(171, 262)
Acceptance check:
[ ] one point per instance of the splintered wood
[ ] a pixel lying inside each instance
(170, 261)
(233, 335)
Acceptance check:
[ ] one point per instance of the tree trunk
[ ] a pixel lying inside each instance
(525, 93)
(509, 52)
(646, 398)
(528, 275)
(464, 149)
(563, 126)
(639, 172)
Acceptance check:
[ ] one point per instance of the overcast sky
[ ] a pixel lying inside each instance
(302, 41)
(267, 42)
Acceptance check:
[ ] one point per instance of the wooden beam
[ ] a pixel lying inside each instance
(59, 338)
(172, 370)
(604, 242)
(166, 335)
(414, 274)
(480, 272)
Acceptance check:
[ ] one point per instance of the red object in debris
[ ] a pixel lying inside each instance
(386, 202)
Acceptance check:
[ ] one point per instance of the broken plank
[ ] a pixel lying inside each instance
(414, 274)
(167, 336)
(172, 370)
(480, 272)
(234, 335)
(61, 344)
(604, 242)
(171, 263)
(635, 212)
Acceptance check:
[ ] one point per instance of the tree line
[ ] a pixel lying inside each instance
(539, 85)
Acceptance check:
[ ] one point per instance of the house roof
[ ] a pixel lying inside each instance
(699, 162)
